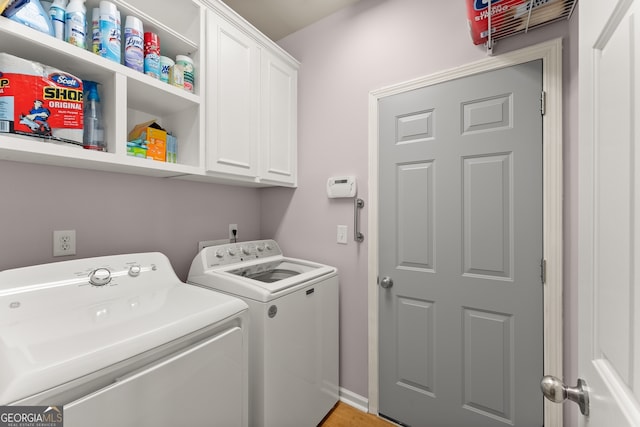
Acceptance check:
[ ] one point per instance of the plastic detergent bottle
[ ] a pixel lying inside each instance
(30, 13)
(134, 43)
(93, 137)
(109, 31)
(75, 28)
(57, 13)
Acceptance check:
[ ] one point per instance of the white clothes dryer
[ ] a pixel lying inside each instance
(293, 333)
(121, 341)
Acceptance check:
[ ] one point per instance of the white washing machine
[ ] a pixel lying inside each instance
(121, 341)
(293, 308)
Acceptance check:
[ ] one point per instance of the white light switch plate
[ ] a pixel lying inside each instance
(342, 234)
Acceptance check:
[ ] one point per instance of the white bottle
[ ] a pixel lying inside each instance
(76, 23)
(109, 30)
(57, 13)
(94, 37)
(134, 43)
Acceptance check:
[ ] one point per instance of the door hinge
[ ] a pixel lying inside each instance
(543, 103)
(543, 271)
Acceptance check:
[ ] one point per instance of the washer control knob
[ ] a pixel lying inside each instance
(260, 248)
(231, 251)
(219, 253)
(267, 246)
(245, 251)
(100, 277)
(134, 270)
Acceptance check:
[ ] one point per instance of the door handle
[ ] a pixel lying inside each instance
(557, 392)
(386, 282)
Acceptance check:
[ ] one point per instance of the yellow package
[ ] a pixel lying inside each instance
(156, 144)
(155, 137)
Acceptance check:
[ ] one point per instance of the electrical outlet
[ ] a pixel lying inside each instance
(233, 236)
(342, 234)
(64, 242)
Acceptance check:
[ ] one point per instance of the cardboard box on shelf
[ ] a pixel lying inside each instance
(155, 137)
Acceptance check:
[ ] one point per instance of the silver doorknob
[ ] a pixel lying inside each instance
(556, 391)
(386, 282)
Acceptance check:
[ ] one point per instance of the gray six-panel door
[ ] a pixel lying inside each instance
(461, 324)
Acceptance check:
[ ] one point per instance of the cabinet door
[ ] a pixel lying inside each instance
(278, 132)
(232, 99)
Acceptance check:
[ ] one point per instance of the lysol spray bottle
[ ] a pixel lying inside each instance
(96, 40)
(134, 44)
(152, 55)
(76, 23)
(109, 31)
(119, 35)
(57, 13)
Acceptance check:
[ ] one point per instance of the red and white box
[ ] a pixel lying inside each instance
(509, 16)
(41, 101)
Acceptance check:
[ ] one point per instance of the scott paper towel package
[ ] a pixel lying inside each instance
(38, 100)
(509, 16)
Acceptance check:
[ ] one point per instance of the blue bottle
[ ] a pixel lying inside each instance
(93, 137)
(30, 13)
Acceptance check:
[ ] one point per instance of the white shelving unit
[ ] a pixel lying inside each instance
(129, 97)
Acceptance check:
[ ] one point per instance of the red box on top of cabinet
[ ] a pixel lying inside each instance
(509, 16)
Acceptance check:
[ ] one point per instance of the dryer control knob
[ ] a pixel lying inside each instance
(260, 248)
(231, 251)
(134, 270)
(100, 277)
(219, 253)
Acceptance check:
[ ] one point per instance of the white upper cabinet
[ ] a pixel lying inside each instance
(239, 125)
(232, 98)
(251, 98)
(278, 148)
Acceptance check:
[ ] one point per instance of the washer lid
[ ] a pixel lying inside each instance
(53, 331)
(263, 280)
(274, 271)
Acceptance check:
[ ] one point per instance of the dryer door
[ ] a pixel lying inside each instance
(203, 385)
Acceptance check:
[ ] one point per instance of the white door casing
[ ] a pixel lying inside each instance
(609, 214)
(551, 55)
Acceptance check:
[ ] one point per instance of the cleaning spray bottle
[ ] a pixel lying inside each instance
(75, 29)
(57, 13)
(109, 31)
(93, 137)
(29, 13)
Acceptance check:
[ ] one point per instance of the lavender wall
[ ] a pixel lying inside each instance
(373, 44)
(115, 213)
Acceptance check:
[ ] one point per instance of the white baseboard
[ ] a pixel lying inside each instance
(353, 399)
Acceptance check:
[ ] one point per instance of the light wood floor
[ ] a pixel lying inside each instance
(344, 415)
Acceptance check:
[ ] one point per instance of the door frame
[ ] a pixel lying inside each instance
(552, 175)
